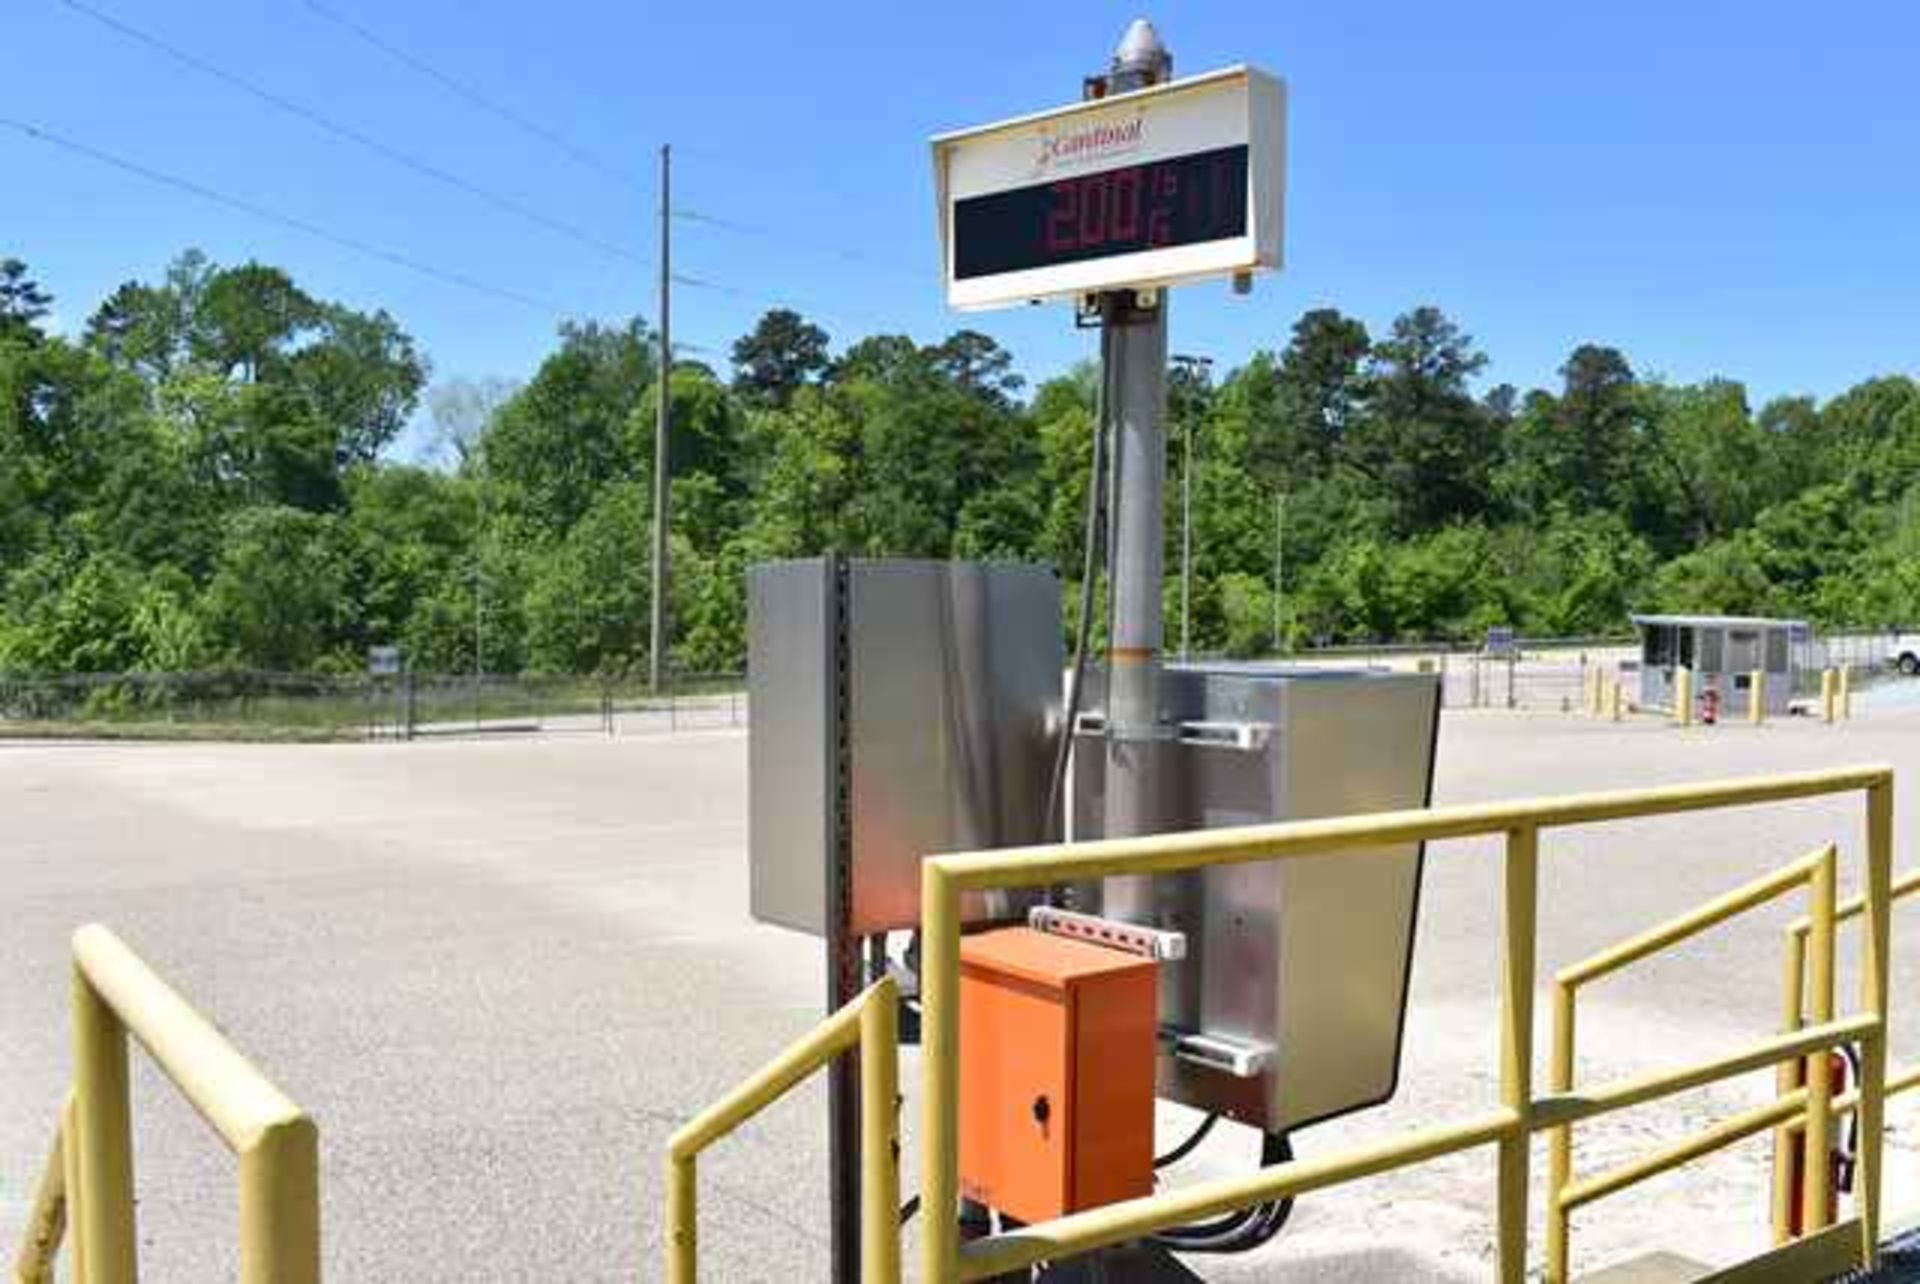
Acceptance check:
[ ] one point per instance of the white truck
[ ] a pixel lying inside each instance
(1903, 652)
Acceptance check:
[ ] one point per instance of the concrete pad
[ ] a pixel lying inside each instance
(499, 973)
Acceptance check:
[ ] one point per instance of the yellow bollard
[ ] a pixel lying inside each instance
(1757, 697)
(1619, 699)
(1846, 693)
(1682, 696)
(1828, 689)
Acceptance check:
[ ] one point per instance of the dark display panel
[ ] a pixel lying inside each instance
(1184, 200)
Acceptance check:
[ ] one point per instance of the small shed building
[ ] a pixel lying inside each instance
(1724, 652)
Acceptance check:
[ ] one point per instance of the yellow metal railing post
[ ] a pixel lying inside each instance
(1619, 701)
(48, 1221)
(880, 1137)
(1846, 693)
(1817, 1173)
(1757, 697)
(1873, 998)
(69, 1133)
(1828, 689)
(280, 1205)
(1560, 1138)
(683, 1219)
(1787, 1080)
(940, 1071)
(1683, 696)
(1516, 1048)
(105, 1227)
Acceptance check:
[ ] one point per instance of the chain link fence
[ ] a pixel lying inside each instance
(1540, 674)
(250, 705)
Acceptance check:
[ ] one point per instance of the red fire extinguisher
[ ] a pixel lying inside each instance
(1710, 706)
(1843, 1067)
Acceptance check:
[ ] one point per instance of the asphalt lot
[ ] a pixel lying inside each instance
(500, 972)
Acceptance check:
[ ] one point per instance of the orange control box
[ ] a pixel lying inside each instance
(1057, 1044)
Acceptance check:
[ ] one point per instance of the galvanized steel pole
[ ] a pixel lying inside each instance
(1133, 350)
(662, 426)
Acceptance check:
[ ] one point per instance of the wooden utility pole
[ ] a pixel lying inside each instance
(662, 428)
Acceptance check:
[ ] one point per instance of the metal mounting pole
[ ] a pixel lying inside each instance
(1133, 351)
(843, 946)
(662, 427)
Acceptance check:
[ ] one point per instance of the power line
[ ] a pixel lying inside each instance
(342, 240)
(784, 237)
(354, 136)
(474, 97)
(575, 151)
(596, 162)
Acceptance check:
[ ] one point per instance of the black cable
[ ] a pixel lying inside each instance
(355, 136)
(1084, 622)
(290, 221)
(908, 1209)
(1188, 1146)
(420, 66)
(1241, 1231)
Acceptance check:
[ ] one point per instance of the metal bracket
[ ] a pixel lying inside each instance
(1247, 737)
(1148, 942)
(1236, 1057)
(1116, 307)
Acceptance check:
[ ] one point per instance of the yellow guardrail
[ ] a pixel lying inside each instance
(1801, 937)
(869, 1023)
(946, 879)
(87, 1185)
(1813, 1101)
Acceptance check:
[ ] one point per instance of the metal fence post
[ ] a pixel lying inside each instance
(1516, 1048)
(105, 1224)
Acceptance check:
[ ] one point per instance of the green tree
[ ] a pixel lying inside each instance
(23, 304)
(1425, 443)
(1321, 391)
(566, 435)
(783, 353)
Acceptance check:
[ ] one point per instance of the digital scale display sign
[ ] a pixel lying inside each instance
(1178, 182)
(1185, 200)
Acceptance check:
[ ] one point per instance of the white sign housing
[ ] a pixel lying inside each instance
(1178, 182)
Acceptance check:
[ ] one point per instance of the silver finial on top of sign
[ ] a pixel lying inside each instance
(1141, 50)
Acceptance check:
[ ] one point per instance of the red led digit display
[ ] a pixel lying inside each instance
(1184, 200)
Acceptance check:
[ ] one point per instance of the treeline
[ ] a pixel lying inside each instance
(201, 479)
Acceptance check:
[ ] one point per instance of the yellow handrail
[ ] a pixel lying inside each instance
(88, 1183)
(1816, 871)
(870, 1023)
(1789, 1141)
(945, 879)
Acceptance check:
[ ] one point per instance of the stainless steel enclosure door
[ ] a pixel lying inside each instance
(1309, 957)
(953, 683)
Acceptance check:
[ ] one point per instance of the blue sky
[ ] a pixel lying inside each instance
(1715, 188)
